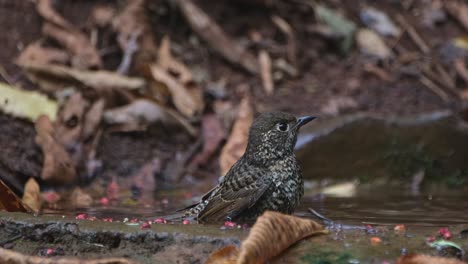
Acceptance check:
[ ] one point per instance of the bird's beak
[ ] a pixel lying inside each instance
(304, 120)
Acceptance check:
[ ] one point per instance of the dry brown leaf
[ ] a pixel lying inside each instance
(80, 199)
(213, 133)
(187, 104)
(102, 14)
(32, 195)
(58, 166)
(283, 230)
(224, 255)
(139, 112)
(168, 63)
(84, 54)
(36, 53)
(12, 257)
(9, 201)
(265, 71)
(69, 124)
(425, 259)
(237, 141)
(459, 10)
(214, 35)
(57, 76)
(93, 118)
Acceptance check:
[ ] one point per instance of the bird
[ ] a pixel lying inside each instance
(266, 177)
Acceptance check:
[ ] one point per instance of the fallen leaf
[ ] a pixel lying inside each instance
(265, 71)
(237, 141)
(84, 54)
(80, 199)
(347, 189)
(9, 201)
(425, 259)
(133, 20)
(184, 101)
(339, 24)
(372, 44)
(102, 15)
(57, 77)
(170, 64)
(68, 127)
(379, 21)
(32, 195)
(224, 255)
(138, 112)
(93, 118)
(214, 35)
(26, 104)
(36, 53)
(10, 256)
(337, 105)
(57, 165)
(213, 133)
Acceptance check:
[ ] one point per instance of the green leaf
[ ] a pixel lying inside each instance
(338, 24)
(26, 104)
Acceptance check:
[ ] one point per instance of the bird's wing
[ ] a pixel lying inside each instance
(204, 197)
(232, 199)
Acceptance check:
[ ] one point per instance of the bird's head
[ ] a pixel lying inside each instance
(273, 135)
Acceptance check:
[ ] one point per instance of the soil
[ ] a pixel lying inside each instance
(324, 73)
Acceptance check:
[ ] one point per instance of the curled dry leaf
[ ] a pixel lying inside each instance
(139, 112)
(224, 255)
(93, 118)
(56, 77)
(102, 14)
(425, 259)
(213, 133)
(170, 64)
(187, 103)
(10, 256)
(8, 199)
(237, 141)
(36, 53)
(265, 70)
(284, 230)
(32, 195)
(372, 44)
(58, 166)
(68, 127)
(46, 10)
(80, 199)
(26, 104)
(214, 35)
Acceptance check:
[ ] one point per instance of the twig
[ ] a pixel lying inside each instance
(214, 35)
(265, 70)
(377, 71)
(5, 76)
(434, 88)
(413, 34)
(461, 69)
(130, 49)
(284, 26)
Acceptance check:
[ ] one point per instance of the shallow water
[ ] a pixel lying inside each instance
(391, 209)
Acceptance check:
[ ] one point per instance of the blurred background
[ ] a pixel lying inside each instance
(141, 104)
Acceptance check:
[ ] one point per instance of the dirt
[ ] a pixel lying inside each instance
(324, 74)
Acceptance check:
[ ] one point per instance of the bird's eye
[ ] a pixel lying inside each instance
(283, 127)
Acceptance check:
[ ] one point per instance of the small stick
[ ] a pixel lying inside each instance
(434, 88)
(413, 34)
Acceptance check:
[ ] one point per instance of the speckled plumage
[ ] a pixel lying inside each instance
(266, 177)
